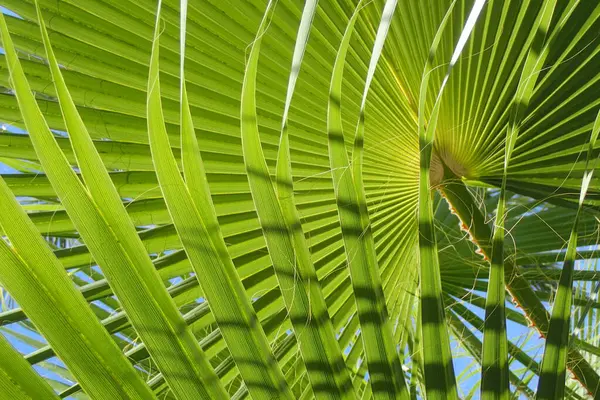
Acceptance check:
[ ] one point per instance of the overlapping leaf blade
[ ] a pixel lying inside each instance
(385, 373)
(115, 243)
(287, 247)
(18, 380)
(554, 364)
(105, 45)
(198, 230)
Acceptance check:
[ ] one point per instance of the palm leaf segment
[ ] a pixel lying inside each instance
(527, 67)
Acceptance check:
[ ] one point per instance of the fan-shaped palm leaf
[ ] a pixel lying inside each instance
(321, 225)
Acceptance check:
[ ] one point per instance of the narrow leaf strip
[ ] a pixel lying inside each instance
(494, 371)
(292, 264)
(440, 382)
(37, 280)
(245, 337)
(553, 374)
(324, 362)
(18, 380)
(385, 373)
(205, 246)
(428, 68)
(357, 154)
(100, 218)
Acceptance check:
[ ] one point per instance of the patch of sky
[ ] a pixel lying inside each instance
(176, 280)
(49, 374)
(22, 339)
(17, 330)
(6, 11)
(347, 350)
(123, 337)
(6, 127)
(84, 277)
(57, 132)
(5, 169)
(103, 306)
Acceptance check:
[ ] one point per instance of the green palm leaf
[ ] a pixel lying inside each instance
(387, 379)
(301, 164)
(553, 370)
